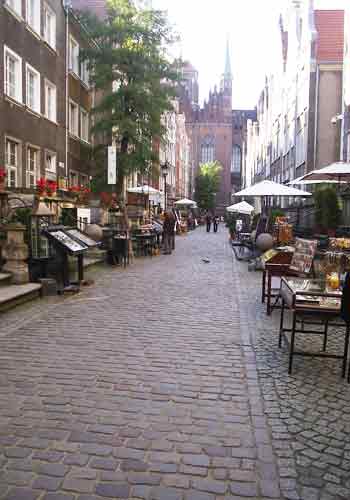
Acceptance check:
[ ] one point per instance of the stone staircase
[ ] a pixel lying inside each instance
(13, 295)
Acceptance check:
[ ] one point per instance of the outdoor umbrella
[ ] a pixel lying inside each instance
(305, 182)
(144, 190)
(270, 188)
(186, 202)
(241, 208)
(338, 172)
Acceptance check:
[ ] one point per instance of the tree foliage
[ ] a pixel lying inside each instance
(134, 80)
(328, 213)
(207, 184)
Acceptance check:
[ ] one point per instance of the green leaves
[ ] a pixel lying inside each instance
(207, 184)
(134, 80)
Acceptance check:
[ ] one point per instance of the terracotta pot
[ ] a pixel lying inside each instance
(2, 185)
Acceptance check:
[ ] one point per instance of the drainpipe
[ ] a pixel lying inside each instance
(67, 7)
(317, 89)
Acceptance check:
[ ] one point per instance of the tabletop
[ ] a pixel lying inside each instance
(311, 294)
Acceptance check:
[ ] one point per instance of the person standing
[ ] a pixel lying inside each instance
(216, 223)
(168, 232)
(208, 221)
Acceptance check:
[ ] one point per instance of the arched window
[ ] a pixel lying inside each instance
(236, 159)
(207, 150)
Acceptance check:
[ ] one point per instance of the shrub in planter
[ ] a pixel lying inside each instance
(328, 213)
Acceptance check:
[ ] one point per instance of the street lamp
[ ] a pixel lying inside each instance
(165, 170)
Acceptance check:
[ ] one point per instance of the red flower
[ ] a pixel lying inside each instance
(3, 174)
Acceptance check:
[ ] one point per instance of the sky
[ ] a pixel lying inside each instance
(253, 30)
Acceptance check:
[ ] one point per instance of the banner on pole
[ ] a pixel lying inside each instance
(112, 165)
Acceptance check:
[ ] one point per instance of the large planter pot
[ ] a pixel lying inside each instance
(15, 252)
(2, 185)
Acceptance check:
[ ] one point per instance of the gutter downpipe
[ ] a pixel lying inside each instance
(317, 83)
(67, 7)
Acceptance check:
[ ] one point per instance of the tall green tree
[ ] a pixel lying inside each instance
(135, 81)
(207, 184)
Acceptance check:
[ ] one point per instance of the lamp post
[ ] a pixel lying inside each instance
(165, 170)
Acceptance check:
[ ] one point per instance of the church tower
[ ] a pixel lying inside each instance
(226, 83)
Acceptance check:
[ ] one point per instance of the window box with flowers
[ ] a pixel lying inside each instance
(46, 187)
(81, 193)
(3, 176)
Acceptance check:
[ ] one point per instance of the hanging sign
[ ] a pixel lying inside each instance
(112, 165)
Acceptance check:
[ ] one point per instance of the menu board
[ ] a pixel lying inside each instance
(75, 233)
(64, 239)
(303, 256)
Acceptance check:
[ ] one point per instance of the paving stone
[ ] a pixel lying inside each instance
(78, 485)
(48, 456)
(16, 478)
(198, 495)
(76, 459)
(58, 496)
(17, 452)
(146, 479)
(56, 470)
(47, 483)
(113, 490)
(210, 486)
(164, 493)
(196, 460)
(22, 494)
(104, 463)
(244, 489)
(134, 465)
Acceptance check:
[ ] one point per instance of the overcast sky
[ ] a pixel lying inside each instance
(252, 26)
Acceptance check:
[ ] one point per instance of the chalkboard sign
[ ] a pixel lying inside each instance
(66, 241)
(81, 237)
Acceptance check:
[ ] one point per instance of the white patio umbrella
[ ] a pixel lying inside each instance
(185, 202)
(241, 208)
(338, 172)
(306, 182)
(143, 190)
(270, 188)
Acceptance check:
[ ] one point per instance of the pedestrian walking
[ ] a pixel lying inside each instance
(168, 233)
(216, 223)
(208, 221)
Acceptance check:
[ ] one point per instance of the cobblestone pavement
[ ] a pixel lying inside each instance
(164, 382)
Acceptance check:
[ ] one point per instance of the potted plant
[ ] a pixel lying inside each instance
(3, 175)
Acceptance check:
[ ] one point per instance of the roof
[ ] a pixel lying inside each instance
(330, 39)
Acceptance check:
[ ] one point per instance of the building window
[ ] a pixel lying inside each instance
(73, 179)
(207, 150)
(50, 101)
(73, 56)
(49, 19)
(12, 162)
(236, 159)
(84, 125)
(73, 119)
(50, 165)
(33, 89)
(84, 180)
(32, 166)
(33, 14)
(15, 5)
(84, 72)
(13, 74)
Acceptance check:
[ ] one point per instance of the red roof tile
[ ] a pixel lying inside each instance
(330, 41)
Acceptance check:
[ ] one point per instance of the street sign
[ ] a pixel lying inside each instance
(112, 165)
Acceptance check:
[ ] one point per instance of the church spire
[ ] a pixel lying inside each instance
(228, 71)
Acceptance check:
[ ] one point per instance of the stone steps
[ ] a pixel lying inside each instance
(13, 295)
(5, 279)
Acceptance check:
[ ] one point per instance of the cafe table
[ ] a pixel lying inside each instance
(312, 303)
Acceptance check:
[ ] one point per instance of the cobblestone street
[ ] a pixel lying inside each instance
(164, 382)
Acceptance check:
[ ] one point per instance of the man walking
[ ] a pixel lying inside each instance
(168, 232)
(208, 221)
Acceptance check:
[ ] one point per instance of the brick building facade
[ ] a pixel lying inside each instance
(216, 132)
(42, 134)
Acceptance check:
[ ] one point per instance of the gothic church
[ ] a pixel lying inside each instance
(216, 131)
